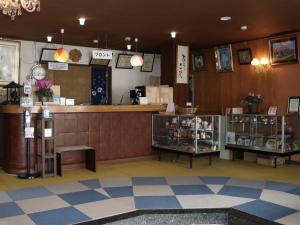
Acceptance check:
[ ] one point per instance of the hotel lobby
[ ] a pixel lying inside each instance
(149, 112)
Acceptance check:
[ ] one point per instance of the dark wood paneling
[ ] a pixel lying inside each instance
(216, 91)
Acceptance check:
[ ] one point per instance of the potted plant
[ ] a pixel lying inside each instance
(44, 91)
(253, 100)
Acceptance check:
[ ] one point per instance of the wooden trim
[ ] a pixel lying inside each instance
(86, 109)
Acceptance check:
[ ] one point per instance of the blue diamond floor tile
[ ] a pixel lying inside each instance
(154, 202)
(93, 184)
(191, 190)
(28, 193)
(214, 180)
(277, 186)
(149, 181)
(10, 209)
(63, 216)
(295, 191)
(240, 192)
(119, 192)
(81, 197)
(265, 209)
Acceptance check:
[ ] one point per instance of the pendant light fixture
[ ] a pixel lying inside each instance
(61, 55)
(136, 60)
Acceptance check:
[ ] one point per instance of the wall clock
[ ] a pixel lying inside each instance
(38, 72)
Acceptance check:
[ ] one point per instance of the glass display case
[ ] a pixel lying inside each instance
(273, 134)
(189, 134)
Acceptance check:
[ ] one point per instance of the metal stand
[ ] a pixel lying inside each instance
(28, 174)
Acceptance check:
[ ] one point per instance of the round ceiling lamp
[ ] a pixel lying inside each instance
(61, 55)
(136, 60)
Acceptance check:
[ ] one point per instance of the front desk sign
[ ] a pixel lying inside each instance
(102, 54)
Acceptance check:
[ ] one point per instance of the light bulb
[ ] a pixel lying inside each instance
(173, 34)
(82, 21)
(49, 38)
(264, 61)
(128, 47)
(255, 62)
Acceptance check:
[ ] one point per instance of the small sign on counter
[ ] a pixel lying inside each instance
(58, 66)
(29, 132)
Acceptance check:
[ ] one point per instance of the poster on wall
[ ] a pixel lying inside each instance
(9, 61)
(182, 64)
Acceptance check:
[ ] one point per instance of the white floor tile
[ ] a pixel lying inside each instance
(293, 219)
(4, 197)
(17, 220)
(154, 190)
(210, 201)
(281, 198)
(107, 208)
(215, 187)
(41, 204)
(67, 188)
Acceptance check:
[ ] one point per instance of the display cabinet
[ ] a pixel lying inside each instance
(264, 134)
(192, 135)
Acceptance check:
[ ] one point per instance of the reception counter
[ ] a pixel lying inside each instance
(115, 131)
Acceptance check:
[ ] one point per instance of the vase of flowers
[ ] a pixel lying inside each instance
(253, 100)
(44, 91)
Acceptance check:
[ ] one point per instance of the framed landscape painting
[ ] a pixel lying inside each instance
(223, 55)
(123, 61)
(9, 61)
(284, 50)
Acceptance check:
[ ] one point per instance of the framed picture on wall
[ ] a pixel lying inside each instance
(284, 50)
(123, 61)
(244, 56)
(47, 55)
(198, 62)
(10, 61)
(294, 104)
(148, 62)
(223, 55)
(182, 64)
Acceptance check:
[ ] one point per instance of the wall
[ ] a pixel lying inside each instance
(122, 79)
(216, 91)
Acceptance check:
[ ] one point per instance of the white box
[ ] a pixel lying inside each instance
(48, 132)
(62, 101)
(70, 101)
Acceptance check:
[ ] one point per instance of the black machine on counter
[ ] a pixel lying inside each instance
(139, 91)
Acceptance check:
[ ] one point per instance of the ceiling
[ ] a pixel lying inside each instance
(196, 21)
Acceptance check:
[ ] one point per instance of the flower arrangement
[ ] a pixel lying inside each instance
(44, 88)
(253, 99)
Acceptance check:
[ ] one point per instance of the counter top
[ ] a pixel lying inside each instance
(86, 109)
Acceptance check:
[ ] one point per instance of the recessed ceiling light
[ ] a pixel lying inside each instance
(244, 28)
(49, 38)
(95, 41)
(81, 21)
(173, 34)
(225, 18)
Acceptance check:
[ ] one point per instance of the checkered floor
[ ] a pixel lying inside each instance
(93, 199)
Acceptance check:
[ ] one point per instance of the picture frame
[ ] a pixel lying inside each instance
(223, 56)
(182, 64)
(293, 104)
(198, 62)
(283, 50)
(99, 62)
(47, 55)
(148, 62)
(244, 56)
(123, 61)
(10, 63)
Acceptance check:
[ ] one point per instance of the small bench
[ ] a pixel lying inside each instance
(90, 156)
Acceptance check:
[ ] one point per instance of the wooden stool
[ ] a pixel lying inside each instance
(90, 156)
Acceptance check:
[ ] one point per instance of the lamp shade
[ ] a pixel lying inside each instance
(136, 60)
(61, 55)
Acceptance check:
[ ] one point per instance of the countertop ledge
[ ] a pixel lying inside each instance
(86, 109)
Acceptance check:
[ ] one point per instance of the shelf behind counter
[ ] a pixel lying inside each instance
(117, 132)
